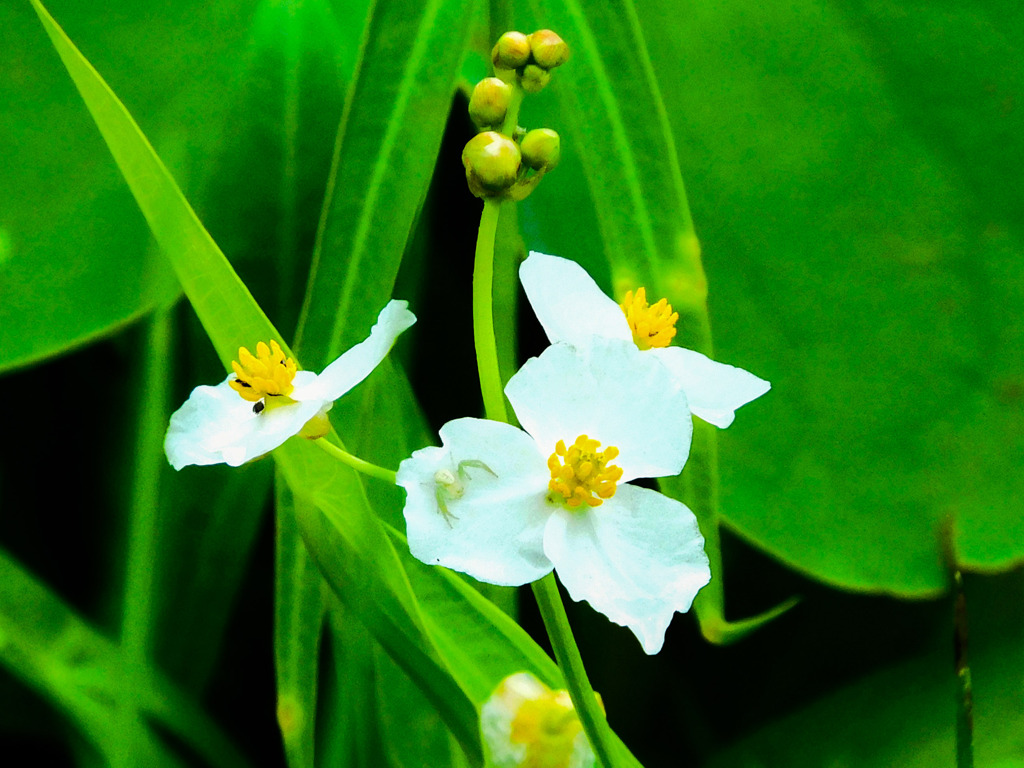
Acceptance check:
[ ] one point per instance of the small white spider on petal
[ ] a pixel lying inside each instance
(555, 496)
(267, 400)
(573, 310)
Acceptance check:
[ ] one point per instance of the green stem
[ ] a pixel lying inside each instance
(359, 465)
(567, 654)
(483, 314)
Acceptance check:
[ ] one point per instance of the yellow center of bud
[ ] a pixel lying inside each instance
(580, 474)
(548, 726)
(653, 325)
(268, 372)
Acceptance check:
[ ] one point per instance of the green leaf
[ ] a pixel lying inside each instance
(346, 540)
(298, 621)
(75, 256)
(365, 573)
(198, 262)
(108, 694)
(229, 313)
(856, 185)
(350, 696)
(387, 144)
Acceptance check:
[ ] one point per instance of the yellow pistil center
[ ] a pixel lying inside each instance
(548, 726)
(268, 372)
(580, 474)
(653, 325)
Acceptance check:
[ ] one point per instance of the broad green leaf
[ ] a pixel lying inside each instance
(109, 695)
(75, 256)
(855, 184)
(617, 126)
(390, 133)
(226, 308)
(298, 622)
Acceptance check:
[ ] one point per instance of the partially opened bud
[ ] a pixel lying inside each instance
(511, 51)
(541, 149)
(525, 723)
(534, 78)
(492, 163)
(489, 102)
(548, 49)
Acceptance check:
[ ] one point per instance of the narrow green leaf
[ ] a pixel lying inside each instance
(298, 622)
(350, 696)
(230, 315)
(86, 675)
(387, 144)
(138, 611)
(346, 540)
(210, 520)
(365, 573)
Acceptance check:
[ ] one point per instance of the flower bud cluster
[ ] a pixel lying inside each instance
(530, 57)
(500, 165)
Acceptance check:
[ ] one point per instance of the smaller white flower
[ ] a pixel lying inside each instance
(507, 506)
(525, 724)
(573, 310)
(267, 400)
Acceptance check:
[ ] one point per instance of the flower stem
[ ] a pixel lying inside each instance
(567, 654)
(359, 465)
(483, 314)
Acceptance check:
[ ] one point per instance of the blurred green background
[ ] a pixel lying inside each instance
(853, 170)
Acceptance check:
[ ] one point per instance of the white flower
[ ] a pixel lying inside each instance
(573, 310)
(524, 724)
(506, 506)
(266, 400)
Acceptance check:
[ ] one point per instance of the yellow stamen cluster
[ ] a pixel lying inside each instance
(653, 325)
(581, 475)
(548, 726)
(268, 372)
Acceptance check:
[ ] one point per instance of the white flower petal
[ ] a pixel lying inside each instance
(494, 530)
(359, 361)
(714, 390)
(638, 558)
(215, 425)
(568, 303)
(612, 392)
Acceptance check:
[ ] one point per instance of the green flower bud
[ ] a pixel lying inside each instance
(511, 51)
(492, 163)
(534, 78)
(549, 50)
(489, 102)
(541, 149)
